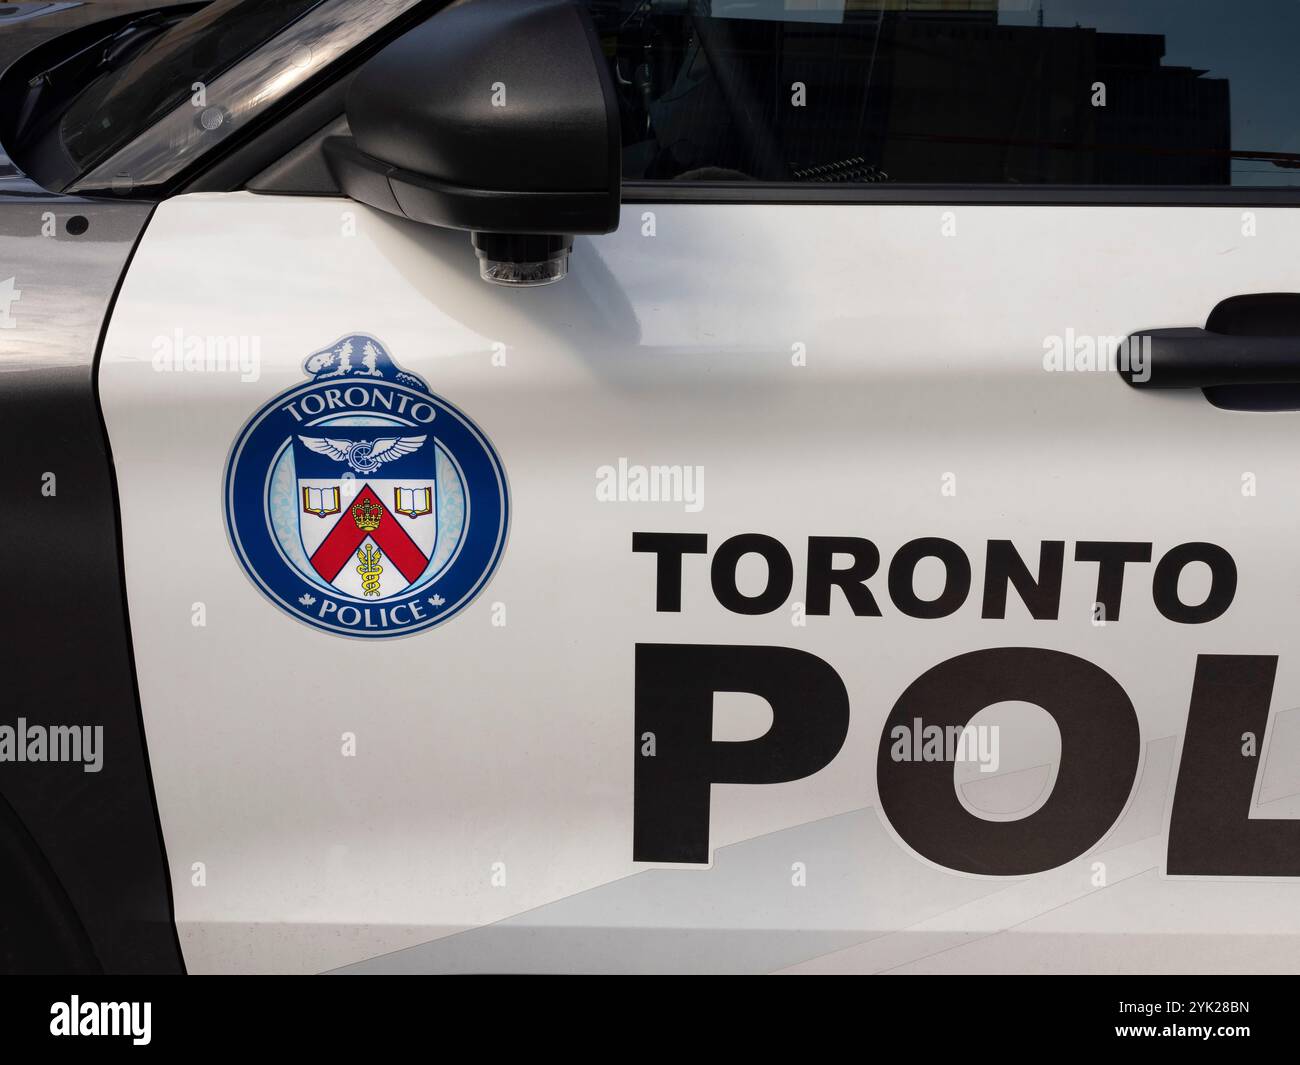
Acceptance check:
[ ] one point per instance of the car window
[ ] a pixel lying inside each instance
(1017, 92)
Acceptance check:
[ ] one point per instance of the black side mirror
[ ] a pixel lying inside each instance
(495, 116)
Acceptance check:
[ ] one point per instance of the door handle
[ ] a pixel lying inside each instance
(1198, 358)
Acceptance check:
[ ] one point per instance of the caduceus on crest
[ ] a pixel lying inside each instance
(370, 569)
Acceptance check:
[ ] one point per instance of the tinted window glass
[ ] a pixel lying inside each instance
(1078, 92)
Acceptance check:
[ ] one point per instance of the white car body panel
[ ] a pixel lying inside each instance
(486, 749)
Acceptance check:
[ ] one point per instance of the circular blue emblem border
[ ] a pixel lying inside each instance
(248, 525)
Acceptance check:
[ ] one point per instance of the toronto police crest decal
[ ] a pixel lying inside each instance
(363, 504)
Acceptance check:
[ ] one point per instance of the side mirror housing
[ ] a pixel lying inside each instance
(498, 117)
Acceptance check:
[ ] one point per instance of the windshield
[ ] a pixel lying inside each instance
(177, 64)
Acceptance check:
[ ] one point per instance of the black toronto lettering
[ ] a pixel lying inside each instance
(849, 564)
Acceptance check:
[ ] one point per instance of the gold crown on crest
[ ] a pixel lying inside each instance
(367, 515)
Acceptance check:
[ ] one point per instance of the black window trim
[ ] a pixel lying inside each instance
(906, 195)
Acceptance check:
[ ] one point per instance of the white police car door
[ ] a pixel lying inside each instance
(798, 584)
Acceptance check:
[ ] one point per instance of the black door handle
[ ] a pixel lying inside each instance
(1197, 358)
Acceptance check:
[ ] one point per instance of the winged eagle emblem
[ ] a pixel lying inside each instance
(364, 456)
